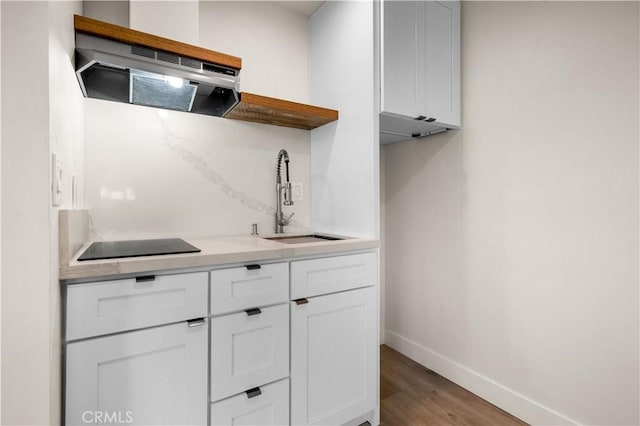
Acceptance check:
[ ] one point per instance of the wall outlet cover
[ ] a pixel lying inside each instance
(56, 180)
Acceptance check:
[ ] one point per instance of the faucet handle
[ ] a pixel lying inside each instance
(285, 222)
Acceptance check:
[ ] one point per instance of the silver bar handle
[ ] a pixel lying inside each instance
(197, 322)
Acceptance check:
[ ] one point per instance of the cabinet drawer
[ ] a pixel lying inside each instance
(248, 350)
(332, 274)
(107, 307)
(271, 407)
(235, 289)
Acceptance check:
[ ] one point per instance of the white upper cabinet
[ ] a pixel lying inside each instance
(421, 65)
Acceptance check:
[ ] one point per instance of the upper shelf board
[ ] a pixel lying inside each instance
(262, 109)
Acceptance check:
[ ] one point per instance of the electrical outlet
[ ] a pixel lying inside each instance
(56, 180)
(298, 194)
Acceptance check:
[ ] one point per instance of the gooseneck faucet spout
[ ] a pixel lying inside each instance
(282, 191)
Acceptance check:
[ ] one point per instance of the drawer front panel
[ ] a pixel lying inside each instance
(236, 289)
(332, 274)
(105, 307)
(271, 407)
(248, 350)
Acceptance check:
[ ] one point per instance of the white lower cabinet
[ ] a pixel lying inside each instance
(265, 405)
(249, 349)
(333, 357)
(135, 356)
(156, 376)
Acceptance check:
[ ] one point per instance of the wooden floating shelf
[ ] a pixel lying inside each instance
(252, 107)
(262, 109)
(126, 35)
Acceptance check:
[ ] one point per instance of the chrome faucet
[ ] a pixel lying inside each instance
(283, 190)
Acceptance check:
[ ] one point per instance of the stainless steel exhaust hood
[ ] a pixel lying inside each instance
(125, 72)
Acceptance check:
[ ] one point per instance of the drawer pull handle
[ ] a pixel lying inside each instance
(302, 301)
(430, 120)
(254, 311)
(252, 267)
(195, 322)
(420, 117)
(252, 393)
(145, 278)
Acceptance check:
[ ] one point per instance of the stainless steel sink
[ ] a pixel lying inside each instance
(299, 239)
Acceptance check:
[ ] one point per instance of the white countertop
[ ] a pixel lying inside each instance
(214, 251)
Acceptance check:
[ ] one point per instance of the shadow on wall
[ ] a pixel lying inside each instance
(425, 201)
(420, 152)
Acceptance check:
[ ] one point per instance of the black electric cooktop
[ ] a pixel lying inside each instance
(135, 248)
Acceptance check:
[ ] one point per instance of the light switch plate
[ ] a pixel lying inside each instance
(56, 180)
(298, 193)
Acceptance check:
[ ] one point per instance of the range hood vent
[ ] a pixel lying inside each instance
(131, 73)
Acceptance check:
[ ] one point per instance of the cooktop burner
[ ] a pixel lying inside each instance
(135, 248)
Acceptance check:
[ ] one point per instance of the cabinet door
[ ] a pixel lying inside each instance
(333, 361)
(442, 61)
(400, 94)
(156, 376)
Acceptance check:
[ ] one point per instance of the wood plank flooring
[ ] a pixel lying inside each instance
(411, 394)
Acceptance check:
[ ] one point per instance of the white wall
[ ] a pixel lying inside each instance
(42, 113)
(66, 139)
(273, 43)
(112, 11)
(25, 214)
(344, 154)
(512, 245)
(177, 20)
(190, 175)
(0, 216)
(383, 244)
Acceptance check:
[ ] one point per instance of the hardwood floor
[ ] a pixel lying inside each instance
(411, 394)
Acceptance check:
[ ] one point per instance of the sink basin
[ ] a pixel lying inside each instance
(299, 239)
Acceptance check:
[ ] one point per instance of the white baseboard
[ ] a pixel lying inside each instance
(510, 401)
